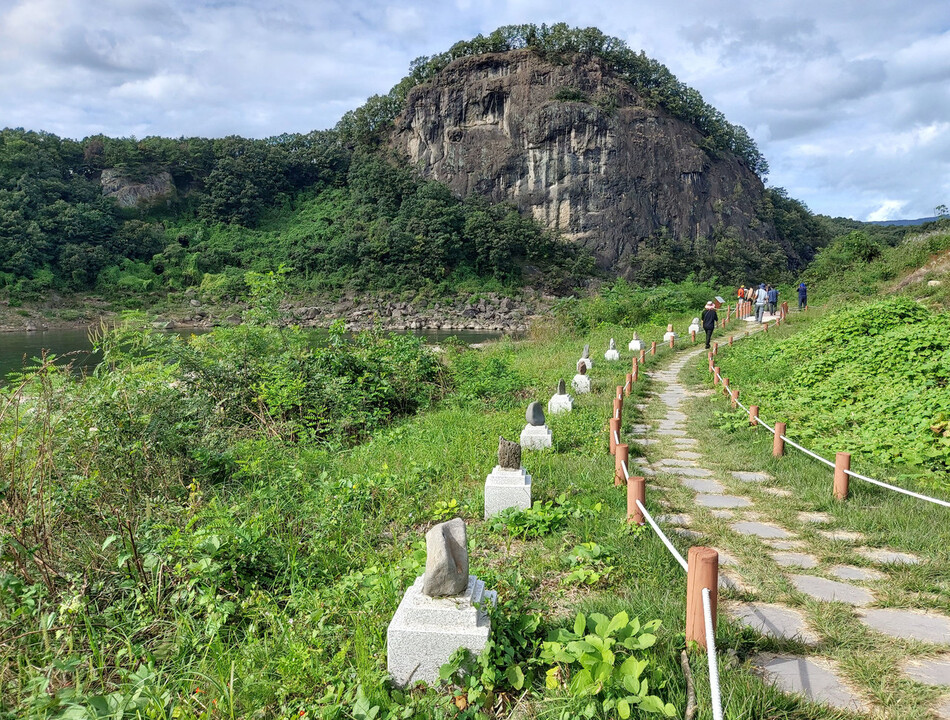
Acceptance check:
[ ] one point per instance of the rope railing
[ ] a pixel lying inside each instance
(829, 463)
(711, 657)
(663, 537)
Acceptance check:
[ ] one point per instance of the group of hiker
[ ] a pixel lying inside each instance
(765, 297)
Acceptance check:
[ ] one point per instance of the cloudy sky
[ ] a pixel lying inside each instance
(849, 100)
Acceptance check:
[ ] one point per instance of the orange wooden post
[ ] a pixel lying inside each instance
(614, 430)
(636, 490)
(672, 338)
(765, 327)
(778, 444)
(715, 348)
(724, 322)
(636, 370)
(715, 375)
(692, 335)
(753, 415)
(628, 386)
(842, 463)
(620, 394)
(735, 398)
(725, 386)
(618, 411)
(620, 459)
(643, 356)
(702, 572)
(653, 348)
(709, 358)
(730, 341)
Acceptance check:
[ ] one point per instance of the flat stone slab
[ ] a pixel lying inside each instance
(775, 621)
(850, 572)
(778, 491)
(723, 514)
(671, 432)
(688, 455)
(795, 559)
(888, 557)
(677, 519)
(646, 471)
(639, 428)
(725, 558)
(909, 624)
(728, 581)
(929, 671)
(750, 476)
(673, 462)
(841, 535)
(818, 518)
(685, 442)
(645, 441)
(942, 709)
(641, 461)
(816, 680)
(831, 590)
(694, 472)
(722, 501)
(760, 530)
(703, 486)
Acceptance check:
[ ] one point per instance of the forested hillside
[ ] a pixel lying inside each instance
(133, 219)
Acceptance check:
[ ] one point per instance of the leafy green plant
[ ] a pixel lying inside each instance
(540, 519)
(589, 565)
(597, 659)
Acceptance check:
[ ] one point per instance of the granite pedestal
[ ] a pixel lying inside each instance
(505, 488)
(581, 384)
(561, 403)
(425, 631)
(536, 437)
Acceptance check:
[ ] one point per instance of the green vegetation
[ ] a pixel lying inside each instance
(871, 379)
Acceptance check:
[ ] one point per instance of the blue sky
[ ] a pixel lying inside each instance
(849, 101)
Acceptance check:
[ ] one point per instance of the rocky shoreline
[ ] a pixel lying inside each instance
(487, 312)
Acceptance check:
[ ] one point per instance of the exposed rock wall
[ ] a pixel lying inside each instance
(605, 169)
(129, 193)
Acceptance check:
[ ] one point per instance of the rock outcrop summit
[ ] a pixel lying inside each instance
(576, 147)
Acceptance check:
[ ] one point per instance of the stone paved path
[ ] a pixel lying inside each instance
(730, 507)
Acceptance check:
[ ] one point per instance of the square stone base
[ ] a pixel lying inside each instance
(535, 437)
(635, 346)
(588, 362)
(581, 384)
(560, 403)
(505, 488)
(425, 631)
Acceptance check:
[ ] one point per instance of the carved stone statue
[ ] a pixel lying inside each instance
(446, 559)
(561, 388)
(509, 454)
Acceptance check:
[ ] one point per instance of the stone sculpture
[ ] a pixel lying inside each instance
(581, 383)
(509, 454)
(669, 333)
(534, 414)
(612, 353)
(536, 435)
(694, 326)
(585, 357)
(561, 401)
(635, 345)
(446, 559)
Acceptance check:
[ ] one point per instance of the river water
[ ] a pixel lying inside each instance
(17, 349)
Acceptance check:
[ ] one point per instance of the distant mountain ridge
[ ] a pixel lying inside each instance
(918, 221)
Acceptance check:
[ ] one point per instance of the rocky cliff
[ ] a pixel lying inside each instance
(576, 147)
(130, 193)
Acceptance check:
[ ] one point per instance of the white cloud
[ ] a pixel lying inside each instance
(889, 210)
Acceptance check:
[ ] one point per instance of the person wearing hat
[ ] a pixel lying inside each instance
(761, 297)
(710, 318)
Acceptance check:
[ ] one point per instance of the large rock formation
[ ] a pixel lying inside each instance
(575, 146)
(131, 193)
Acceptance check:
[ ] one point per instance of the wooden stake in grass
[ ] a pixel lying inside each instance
(735, 398)
(636, 370)
(715, 349)
(778, 444)
(618, 411)
(628, 385)
(620, 393)
(730, 341)
(620, 459)
(614, 426)
(842, 463)
(653, 348)
(636, 490)
(716, 375)
(692, 335)
(765, 327)
(753, 415)
(725, 386)
(702, 572)
(672, 338)
(709, 357)
(643, 355)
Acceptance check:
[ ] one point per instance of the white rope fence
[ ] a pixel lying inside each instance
(711, 658)
(663, 537)
(829, 463)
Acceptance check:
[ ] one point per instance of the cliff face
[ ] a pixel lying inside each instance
(128, 193)
(577, 148)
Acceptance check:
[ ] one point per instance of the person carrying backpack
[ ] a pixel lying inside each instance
(710, 318)
(802, 296)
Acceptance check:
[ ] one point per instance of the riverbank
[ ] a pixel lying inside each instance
(484, 312)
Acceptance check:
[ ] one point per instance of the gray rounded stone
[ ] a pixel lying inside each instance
(722, 501)
(703, 485)
(581, 367)
(929, 671)
(794, 559)
(888, 557)
(760, 530)
(818, 682)
(586, 353)
(849, 572)
(750, 476)
(561, 387)
(535, 414)
(775, 621)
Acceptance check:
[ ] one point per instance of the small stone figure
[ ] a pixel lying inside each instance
(534, 414)
(585, 357)
(509, 454)
(635, 345)
(669, 333)
(581, 367)
(612, 353)
(581, 383)
(446, 559)
(694, 326)
(561, 401)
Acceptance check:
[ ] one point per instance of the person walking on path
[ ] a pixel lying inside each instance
(802, 296)
(761, 297)
(710, 318)
(773, 299)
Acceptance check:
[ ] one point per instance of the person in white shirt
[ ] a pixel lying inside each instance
(761, 297)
